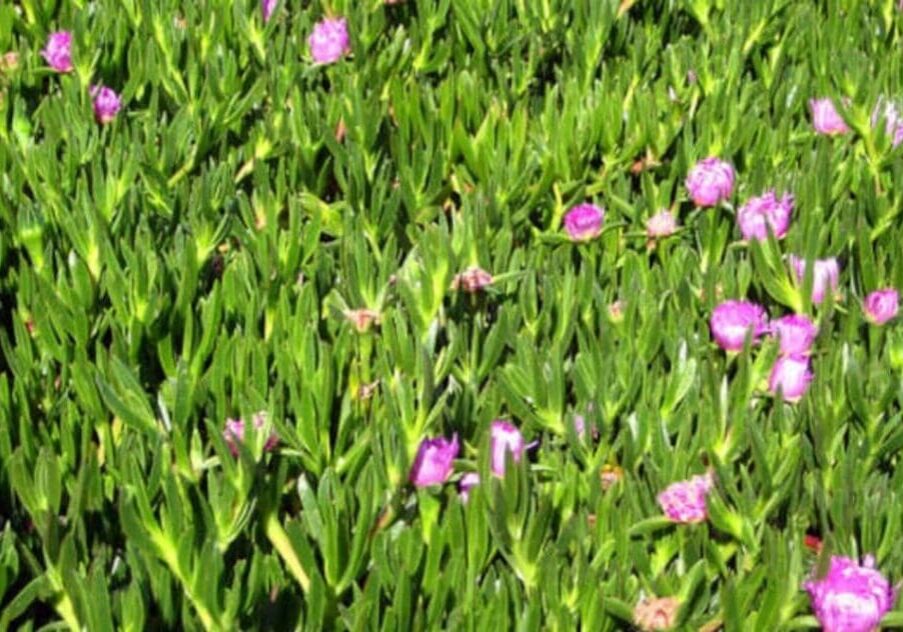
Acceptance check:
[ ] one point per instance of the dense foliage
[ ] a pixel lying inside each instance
(209, 216)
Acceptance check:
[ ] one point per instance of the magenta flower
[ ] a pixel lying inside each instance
(796, 333)
(584, 222)
(685, 501)
(234, 433)
(58, 51)
(106, 103)
(850, 597)
(710, 181)
(791, 376)
(661, 224)
(893, 122)
(825, 117)
(267, 7)
(434, 461)
(758, 213)
(826, 276)
(731, 321)
(329, 41)
(881, 305)
(467, 482)
(504, 437)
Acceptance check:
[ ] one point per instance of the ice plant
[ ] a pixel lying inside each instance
(731, 321)
(685, 501)
(472, 280)
(504, 437)
(58, 51)
(825, 276)
(434, 461)
(661, 224)
(584, 222)
(467, 482)
(893, 122)
(234, 433)
(267, 7)
(329, 40)
(106, 103)
(791, 376)
(795, 333)
(763, 211)
(656, 613)
(881, 306)
(363, 318)
(710, 181)
(825, 117)
(850, 597)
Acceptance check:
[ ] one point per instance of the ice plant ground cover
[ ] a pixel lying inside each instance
(301, 330)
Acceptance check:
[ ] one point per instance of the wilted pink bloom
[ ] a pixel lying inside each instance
(504, 437)
(434, 461)
(472, 280)
(58, 51)
(661, 224)
(584, 222)
(795, 333)
(893, 122)
(329, 40)
(362, 318)
(791, 376)
(850, 597)
(881, 305)
(467, 482)
(825, 276)
(710, 181)
(659, 613)
(267, 7)
(758, 213)
(825, 117)
(234, 433)
(106, 103)
(731, 321)
(685, 501)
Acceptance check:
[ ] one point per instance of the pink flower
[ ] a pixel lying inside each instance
(234, 433)
(796, 334)
(765, 210)
(893, 122)
(504, 437)
(106, 104)
(731, 321)
(850, 597)
(329, 40)
(434, 461)
(267, 7)
(661, 224)
(584, 222)
(791, 376)
(472, 280)
(881, 306)
(467, 482)
(826, 276)
(685, 501)
(825, 117)
(710, 181)
(58, 51)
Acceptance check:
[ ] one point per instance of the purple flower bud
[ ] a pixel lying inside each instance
(825, 117)
(106, 104)
(329, 40)
(791, 376)
(584, 222)
(434, 461)
(765, 210)
(710, 181)
(881, 306)
(234, 433)
(58, 51)
(467, 482)
(796, 333)
(267, 7)
(504, 437)
(732, 320)
(893, 122)
(850, 597)
(685, 501)
(826, 276)
(661, 224)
